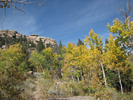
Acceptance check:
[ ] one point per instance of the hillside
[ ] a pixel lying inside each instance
(9, 37)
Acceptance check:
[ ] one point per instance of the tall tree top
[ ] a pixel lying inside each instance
(80, 42)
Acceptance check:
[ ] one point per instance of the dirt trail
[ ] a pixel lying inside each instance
(75, 98)
(36, 94)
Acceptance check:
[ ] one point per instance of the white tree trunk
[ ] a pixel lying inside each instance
(71, 90)
(120, 81)
(103, 73)
(42, 70)
(72, 73)
(4, 74)
(56, 85)
(73, 78)
(78, 79)
(56, 88)
(82, 78)
(61, 72)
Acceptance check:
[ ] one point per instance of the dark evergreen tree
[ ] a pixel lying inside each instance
(80, 42)
(49, 45)
(60, 47)
(106, 42)
(20, 39)
(24, 47)
(1, 44)
(2, 41)
(40, 46)
(7, 41)
(32, 44)
(24, 39)
(29, 41)
(60, 44)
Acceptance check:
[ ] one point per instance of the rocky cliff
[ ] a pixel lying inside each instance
(33, 37)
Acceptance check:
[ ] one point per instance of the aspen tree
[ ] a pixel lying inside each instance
(115, 58)
(95, 44)
(122, 33)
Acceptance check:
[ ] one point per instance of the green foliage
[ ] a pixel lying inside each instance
(23, 66)
(122, 32)
(13, 55)
(2, 41)
(80, 42)
(93, 40)
(13, 77)
(60, 44)
(89, 90)
(40, 46)
(48, 45)
(51, 59)
(32, 44)
(11, 73)
(37, 60)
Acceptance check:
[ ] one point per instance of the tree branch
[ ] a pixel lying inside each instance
(126, 11)
(20, 9)
(12, 2)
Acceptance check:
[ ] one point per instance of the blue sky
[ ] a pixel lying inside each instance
(65, 20)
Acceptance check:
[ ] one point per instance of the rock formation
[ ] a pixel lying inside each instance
(33, 37)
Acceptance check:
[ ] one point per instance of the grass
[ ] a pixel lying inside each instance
(125, 96)
(47, 89)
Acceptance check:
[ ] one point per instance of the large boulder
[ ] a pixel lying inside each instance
(4, 47)
(30, 73)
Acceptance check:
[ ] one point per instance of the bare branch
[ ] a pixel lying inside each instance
(13, 2)
(126, 11)
(3, 18)
(27, 2)
(125, 14)
(20, 9)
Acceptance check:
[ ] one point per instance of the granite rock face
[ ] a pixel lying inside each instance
(33, 37)
(9, 33)
(45, 40)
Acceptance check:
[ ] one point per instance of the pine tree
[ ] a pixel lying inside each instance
(60, 44)
(49, 45)
(80, 42)
(32, 44)
(20, 39)
(24, 39)
(0, 44)
(2, 40)
(40, 46)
